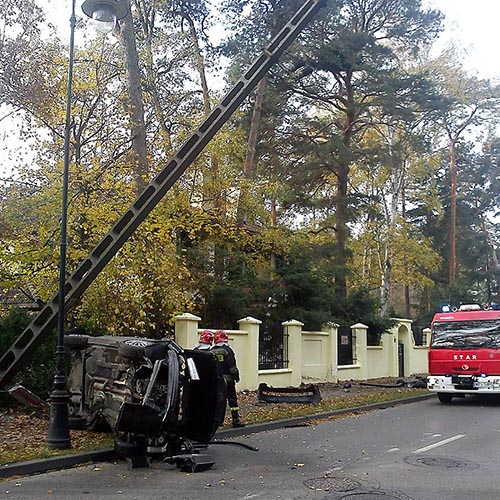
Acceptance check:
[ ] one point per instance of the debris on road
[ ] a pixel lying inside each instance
(304, 394)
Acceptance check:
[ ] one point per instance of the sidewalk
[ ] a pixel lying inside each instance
(108, 454)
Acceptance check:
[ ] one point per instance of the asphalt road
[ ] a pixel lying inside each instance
(418, 451)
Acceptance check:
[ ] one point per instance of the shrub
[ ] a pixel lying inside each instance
(37, 374)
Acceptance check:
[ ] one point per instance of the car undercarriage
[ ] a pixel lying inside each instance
(161, 402)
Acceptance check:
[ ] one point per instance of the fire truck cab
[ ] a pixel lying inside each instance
(464, 353)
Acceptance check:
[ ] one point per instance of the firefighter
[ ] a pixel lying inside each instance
(206, 340)
(226, 357)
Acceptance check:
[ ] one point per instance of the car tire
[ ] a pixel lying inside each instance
(133, 348)
(76, 341)
(445, 397)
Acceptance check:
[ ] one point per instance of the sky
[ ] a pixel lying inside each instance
(471, 24)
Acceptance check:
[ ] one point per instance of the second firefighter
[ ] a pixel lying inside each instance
(226, 357)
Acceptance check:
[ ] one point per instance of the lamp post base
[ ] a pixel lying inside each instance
(58, 434)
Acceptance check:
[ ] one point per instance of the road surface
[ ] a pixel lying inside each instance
(418, 451)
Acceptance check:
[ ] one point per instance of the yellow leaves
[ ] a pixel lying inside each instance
(142, 287)
(414, 261)
(412, 255)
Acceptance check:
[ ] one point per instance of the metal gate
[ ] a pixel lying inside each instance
(346, 346)
(273, 349)
(401, 359)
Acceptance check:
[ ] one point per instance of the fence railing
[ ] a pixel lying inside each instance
(273, 350)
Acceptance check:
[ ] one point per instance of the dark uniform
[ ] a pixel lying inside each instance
(226, 357)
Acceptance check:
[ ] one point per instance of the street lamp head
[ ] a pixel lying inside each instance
(105, 13)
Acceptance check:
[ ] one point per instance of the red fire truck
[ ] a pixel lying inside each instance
(464, 354)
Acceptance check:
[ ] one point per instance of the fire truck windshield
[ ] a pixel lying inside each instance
(466, 334)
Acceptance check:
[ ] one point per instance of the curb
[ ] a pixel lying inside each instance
(108, 454)
(56, 463)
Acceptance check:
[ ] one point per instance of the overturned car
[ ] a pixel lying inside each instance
(161, 401)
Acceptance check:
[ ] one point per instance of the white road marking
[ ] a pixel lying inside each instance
(440, 443)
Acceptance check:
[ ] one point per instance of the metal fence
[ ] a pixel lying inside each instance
(273, 349)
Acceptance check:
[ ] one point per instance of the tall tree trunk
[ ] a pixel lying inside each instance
(397, 176)
(211, 194)
(198, 57)
(453, 214)
(341, 217)
(386, 281)
(272, 258)
(146, 16)
(153, 90)
(136, 104)
(200, 66)
(406, 287)
(251, 157)
(254, 129)
(341, 231)
(276, 22)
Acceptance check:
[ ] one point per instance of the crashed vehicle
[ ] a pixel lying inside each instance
(161, 401)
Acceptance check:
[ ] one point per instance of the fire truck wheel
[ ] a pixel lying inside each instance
(76, 341)
(445, 397)
(133, 348)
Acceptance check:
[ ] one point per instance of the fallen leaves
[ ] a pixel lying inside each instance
(23, 434)
(334, 398)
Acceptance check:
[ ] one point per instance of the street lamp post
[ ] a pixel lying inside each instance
(58, 434)
(105, 14)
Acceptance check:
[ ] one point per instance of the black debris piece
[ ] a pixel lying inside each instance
(307, 394)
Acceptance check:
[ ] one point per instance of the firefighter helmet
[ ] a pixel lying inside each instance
(220, 336)
(206, 337)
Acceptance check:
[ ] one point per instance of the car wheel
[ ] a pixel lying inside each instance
(76, 341)
(445, 397)
(133, 348)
